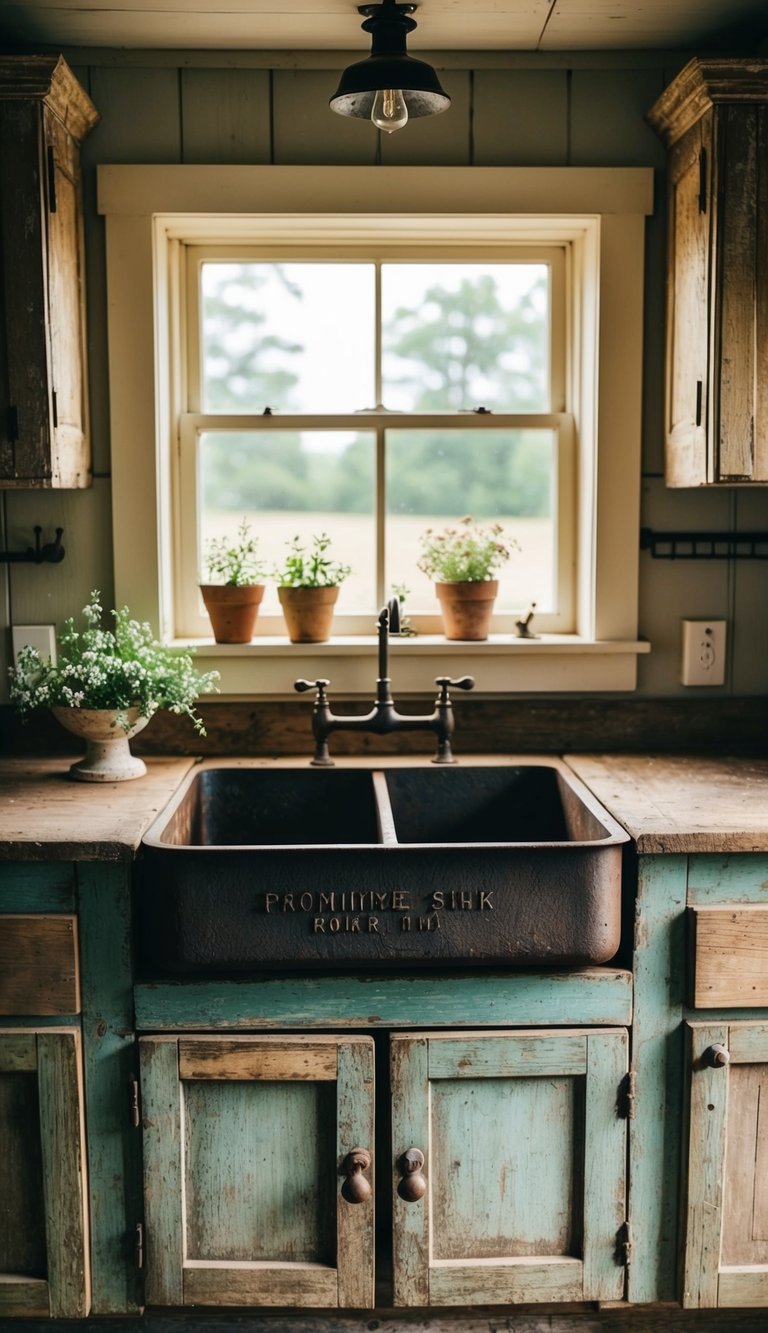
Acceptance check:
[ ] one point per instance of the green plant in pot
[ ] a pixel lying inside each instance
(105, 686)
(234, 591)
(308, 587)
(461, 561)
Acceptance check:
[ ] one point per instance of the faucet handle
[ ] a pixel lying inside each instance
(445, 683)
(301, 687)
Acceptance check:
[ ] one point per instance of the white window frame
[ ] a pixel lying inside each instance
(152, 212)
(397, 241)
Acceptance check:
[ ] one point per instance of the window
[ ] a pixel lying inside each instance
(371, 398)
(188, 426)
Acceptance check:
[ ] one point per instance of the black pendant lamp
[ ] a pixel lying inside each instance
(389, 87)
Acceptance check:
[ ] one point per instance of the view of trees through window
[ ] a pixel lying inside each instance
(301, 339)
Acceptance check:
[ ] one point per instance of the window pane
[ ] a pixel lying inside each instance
(293, 337)
(435, 477)
(294, 482)
(460, 336)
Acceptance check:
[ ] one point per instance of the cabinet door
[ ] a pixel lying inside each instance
(521, 1196)
(43, 1226)
(256, 1187)
(688, 296)
(726, 1198)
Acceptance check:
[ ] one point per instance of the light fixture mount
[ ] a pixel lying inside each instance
(389, 87)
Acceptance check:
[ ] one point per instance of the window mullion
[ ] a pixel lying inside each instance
(381, 513)
(378, 389)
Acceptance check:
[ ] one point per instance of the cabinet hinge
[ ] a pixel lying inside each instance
(703, 181)
(13, 424)
(626, 1102)
(51, 165)
(624, 1244)
(133, 1094)
(138, 1246)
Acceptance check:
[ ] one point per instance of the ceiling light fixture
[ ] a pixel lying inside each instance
(389, 87)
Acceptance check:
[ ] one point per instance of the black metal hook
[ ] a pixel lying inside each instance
(49, 554)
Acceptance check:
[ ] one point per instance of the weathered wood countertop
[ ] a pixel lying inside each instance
(682, 803)
(668, 803)
(45, 816)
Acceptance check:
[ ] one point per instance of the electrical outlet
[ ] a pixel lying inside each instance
(41, 637)
(703, 661)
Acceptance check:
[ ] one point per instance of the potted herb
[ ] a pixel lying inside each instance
(308, 587)
(105, 686)
(461, 561)
(234, 590)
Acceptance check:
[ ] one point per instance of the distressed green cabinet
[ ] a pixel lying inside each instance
(257, 1170)
(726, 1194)
(43, 1220)
(522, 1192)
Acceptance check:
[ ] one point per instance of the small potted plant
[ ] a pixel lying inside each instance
(105, 686)
(308, 586)
(234, 591)
(461, 561)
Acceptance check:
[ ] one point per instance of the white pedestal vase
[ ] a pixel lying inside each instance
(108, 755)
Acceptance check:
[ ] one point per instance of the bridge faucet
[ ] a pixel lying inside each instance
(384, 717)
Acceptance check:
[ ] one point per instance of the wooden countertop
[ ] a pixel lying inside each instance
(682, 803)
(667, 803)
(45, 816)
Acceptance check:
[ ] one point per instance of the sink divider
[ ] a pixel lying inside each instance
(384, 816)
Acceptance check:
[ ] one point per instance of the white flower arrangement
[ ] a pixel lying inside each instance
(119, 669)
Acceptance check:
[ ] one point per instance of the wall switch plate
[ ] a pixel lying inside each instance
(41, 637)
(703, 660)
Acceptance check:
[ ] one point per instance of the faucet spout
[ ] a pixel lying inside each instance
(384, 718)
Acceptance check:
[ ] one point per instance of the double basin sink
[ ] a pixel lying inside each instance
(260, 865)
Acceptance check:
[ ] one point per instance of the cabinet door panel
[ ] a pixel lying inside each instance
(726, 1236)
(524, 1167)
(43, 1223)
(244, 1163)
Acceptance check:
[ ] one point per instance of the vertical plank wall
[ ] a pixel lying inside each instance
(582, 109)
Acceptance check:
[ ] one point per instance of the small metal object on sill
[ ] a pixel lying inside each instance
(704, 545)
(49, 554)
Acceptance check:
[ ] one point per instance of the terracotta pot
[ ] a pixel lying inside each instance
(308, 613)
(467, 608)
(232, 611)
(108, 755)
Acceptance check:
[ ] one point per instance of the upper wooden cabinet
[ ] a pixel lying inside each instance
(44, 116)
(714, 119)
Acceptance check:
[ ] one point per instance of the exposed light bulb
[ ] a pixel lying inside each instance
(389, 111)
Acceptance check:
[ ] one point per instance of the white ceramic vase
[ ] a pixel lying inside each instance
(108, 755)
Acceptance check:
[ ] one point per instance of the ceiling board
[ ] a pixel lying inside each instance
(450, 25)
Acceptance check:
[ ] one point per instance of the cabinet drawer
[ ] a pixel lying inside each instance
(38, 966)
(730, 956)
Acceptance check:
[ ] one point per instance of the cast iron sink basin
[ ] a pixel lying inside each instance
(259, 865)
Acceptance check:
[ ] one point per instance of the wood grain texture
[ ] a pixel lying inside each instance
(62, 1136)
(525, 999)
(270, 1058)
(605, 1171)
(39, 966)
(671, 803)
(305, 1285)
(26, 887)
(45, 816)
(657, 1060)
(163, 1176)
(703, 1201)
(745, 1222)
(23, 1296)
(110, 1057)
(22, 1217)
(541, 1054)
(730, 957)
(355, 1239)
(409, 1079)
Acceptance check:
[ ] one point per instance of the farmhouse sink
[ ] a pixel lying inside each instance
(264, 865)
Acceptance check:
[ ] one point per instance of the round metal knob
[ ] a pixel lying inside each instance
(413, 1185)
(356, 1189)
(718, 1055)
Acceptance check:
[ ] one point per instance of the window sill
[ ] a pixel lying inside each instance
(502, 664)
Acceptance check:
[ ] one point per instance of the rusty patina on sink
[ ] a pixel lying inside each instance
(265, 866)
